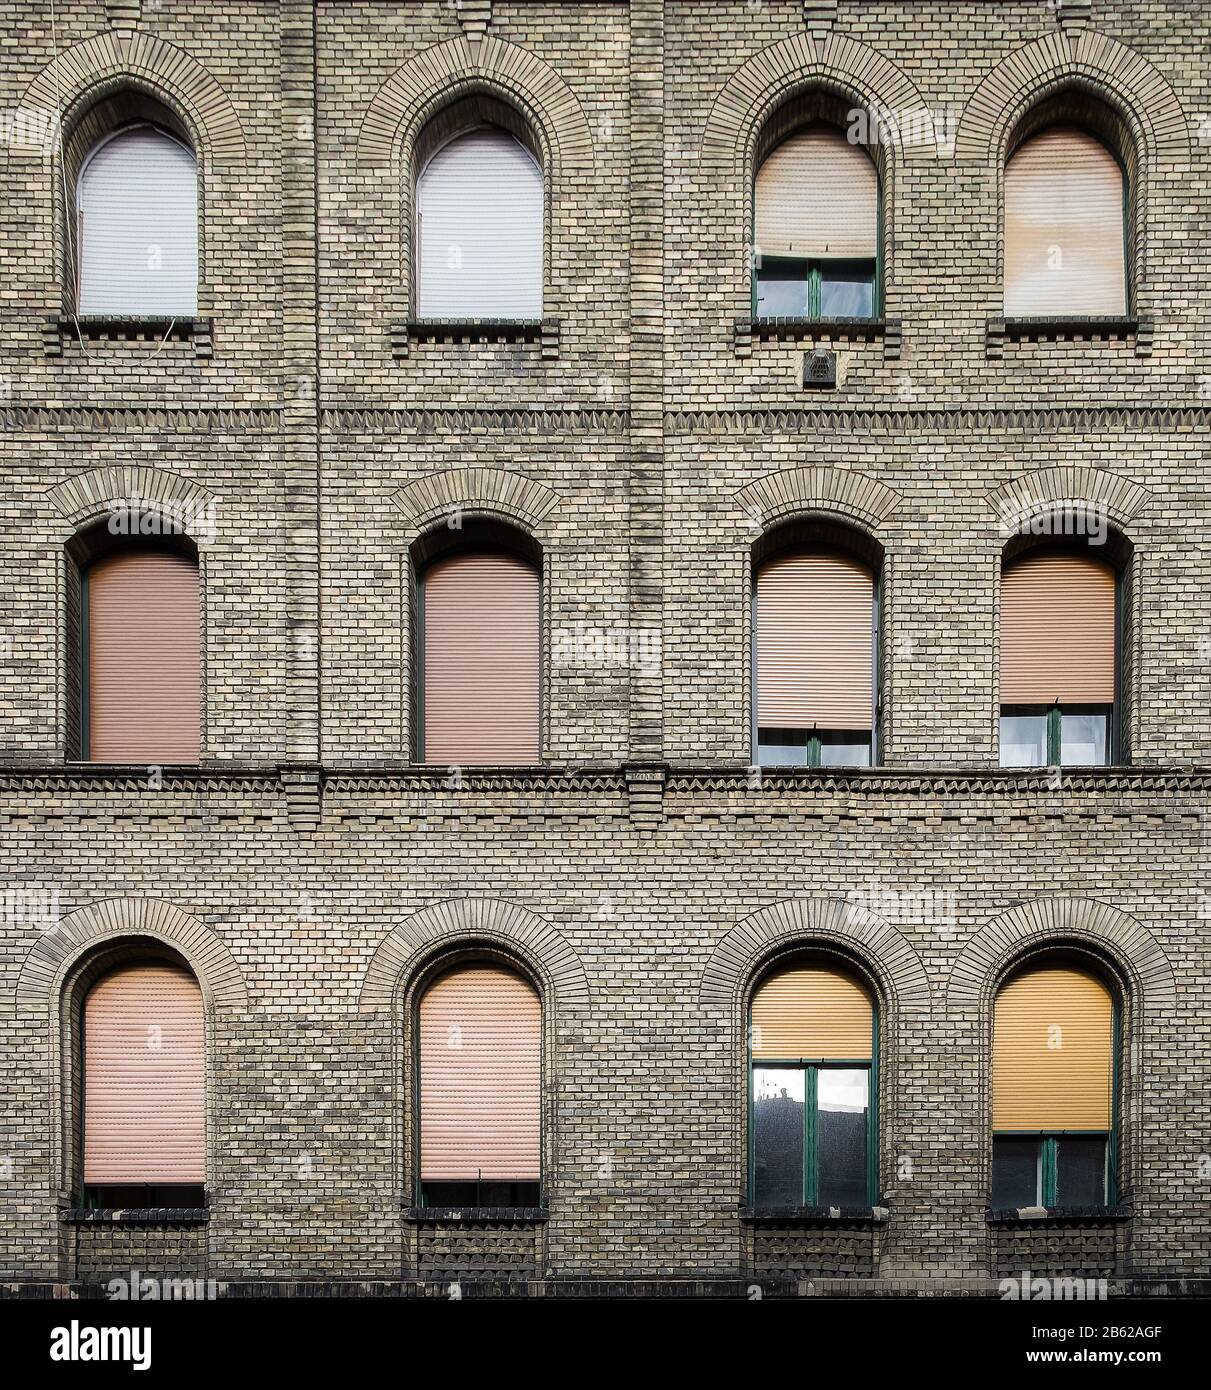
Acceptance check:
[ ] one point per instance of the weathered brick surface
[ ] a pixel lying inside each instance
(642, 875)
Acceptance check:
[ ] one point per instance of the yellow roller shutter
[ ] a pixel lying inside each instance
(811, 1012)
(1052, 1052)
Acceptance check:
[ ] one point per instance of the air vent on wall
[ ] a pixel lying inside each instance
(819, 368)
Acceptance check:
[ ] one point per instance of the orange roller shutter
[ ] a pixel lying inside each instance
(1052, 1052)
(481, 659)
(811, 1012)
(480, 1078)
(1057, 630)
(144, 1078)
(144, 662)
(815, 643)
(1064, 250)
(816, 196)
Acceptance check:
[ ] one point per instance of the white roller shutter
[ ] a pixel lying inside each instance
(480, 230)
(138, 204)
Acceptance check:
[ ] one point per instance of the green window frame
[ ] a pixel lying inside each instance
(811, 1068)
(1055, 724)
(814, 273)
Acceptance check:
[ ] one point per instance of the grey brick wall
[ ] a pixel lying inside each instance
(642, 875)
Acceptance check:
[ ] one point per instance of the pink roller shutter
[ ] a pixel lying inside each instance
(816, 196)
(481, 659)
(144, 1078)
(815, 642)
(1064, 250)
(480, 1077)
(144, 658)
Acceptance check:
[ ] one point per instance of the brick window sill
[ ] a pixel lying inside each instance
(748, 333)
(544, 332)
(1069, 328)
(134, 1216)
(1041, 1216)
(66, 329)
(783, 1216)
(476, 1216)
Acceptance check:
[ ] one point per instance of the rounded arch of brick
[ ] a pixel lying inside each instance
(834, 921)
(841, 63)
(497, 491)
(1051, 488)
(53, 955)
(107, 60)
(856, 496)
(1110, 68)
(87, 496)
(983, 960)
(447, 70)
(456, 921)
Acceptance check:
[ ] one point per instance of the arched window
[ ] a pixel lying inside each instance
(479, 229)
(137, 226)
(812, 1041)
(1059, 658)
(1065, 227)
(815, 648)
(1053, 1064)
(135, 636)
(816, 228)
(479, 649)
(143, 1062)
(480, 1045)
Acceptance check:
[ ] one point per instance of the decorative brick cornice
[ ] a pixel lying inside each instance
(354, 420)
(1049, 489)
(153, 419)
(471, 490)
(474, 920)
(212, 961)
(1033, 419)
(1082, 55)
(833, 921)
(796, 490)
(983, 959)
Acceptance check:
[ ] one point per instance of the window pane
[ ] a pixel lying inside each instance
(842, 1104)
(1083, 739)
(781, 288)
(845, 750)
(847, 292)
(1015, 1173)
(1023, 740)
(782, 747)
(779, 1096)
(1080, 1172)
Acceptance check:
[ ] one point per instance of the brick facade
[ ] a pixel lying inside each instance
(643, 875)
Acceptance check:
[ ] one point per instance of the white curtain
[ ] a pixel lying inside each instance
(138, 204)
(480, 230)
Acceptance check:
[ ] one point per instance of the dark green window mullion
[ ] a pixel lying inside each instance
(811, 1179)
(1048, 1184)
(1054, 728)
(813, 290)
(813, 750)
(1112, 1137)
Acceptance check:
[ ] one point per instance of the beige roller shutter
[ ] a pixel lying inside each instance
(1057, 630)
(815, 643)
(481, 659)
(144, 1078)
(816, 195)
(1052, 1052)
(1064, 220)
(480, 1070)
(144, 660)
(811, 1012)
